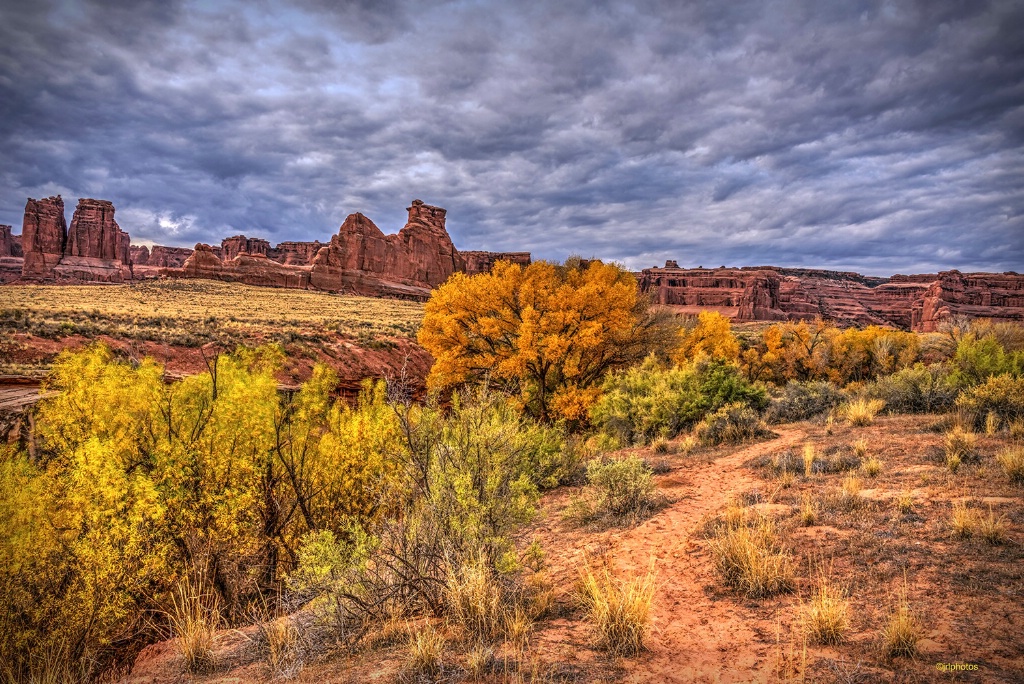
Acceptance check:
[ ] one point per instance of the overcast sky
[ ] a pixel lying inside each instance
(881, 137)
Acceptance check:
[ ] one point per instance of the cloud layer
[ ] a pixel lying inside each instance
(880, 137)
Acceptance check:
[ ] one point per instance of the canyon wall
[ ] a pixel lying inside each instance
(768, 293)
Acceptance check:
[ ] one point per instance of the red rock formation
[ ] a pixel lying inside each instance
(251, 269)
(43, 234)
(769, 293)
(96, 248)
(483, 262)
(296, 253)
(361, 259)
(239, 244)
(169, 257)
(10, 244)
(139, 255)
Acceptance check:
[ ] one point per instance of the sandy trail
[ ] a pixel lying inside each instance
(697, 636)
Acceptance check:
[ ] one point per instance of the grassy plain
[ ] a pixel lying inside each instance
(38, 320)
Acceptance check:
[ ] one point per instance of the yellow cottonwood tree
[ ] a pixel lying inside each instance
(710, 335)
(545, 332)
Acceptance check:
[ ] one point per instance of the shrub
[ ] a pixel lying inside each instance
(803, 400)
(731, 424)
(1016, 428)
(918, 389)
(992, 423)
(861, 412)
(1011, 460)
(616, 488)
(648, 401)
(826, 617)
(1002, 395)
(619, 609)
(750, 560)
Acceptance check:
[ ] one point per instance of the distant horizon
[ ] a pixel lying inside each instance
(69, 209)
(872, 137)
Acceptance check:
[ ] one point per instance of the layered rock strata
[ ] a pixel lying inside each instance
(776, 294)
(483, 262)
(43, 234)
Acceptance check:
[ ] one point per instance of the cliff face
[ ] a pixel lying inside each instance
(773, 294)
(483, 262)
(251, 269)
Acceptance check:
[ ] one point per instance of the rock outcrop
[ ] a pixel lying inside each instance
(361, 259)
(483, 262)
(43, 235)
(239, 244)
(10, 244)
(251, 269)
(776, 294)
(96, 249)
(296, 253)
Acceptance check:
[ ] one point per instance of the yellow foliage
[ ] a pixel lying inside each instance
(711, 335)
(549, 332)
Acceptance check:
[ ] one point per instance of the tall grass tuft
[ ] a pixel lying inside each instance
(902, 630)
(808, 460)
(959, 444)
(963, 520)
(426, 652)
(992, 528)
(619, 609)
(1011, 460)
(750, 559)
(827, 615)
(861, 412)
(194, 617)
(474, 601)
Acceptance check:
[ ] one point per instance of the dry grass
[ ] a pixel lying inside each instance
(1011, 460)
(475, 601)
(660, 446)
(871, 467)
(750, 559)
(283, 652)
(619, 609)
(992, 422)
(426, 652)
(194, 312)
(1016, 428)
(808, 511)
(826, 617)
(809, 455)
(860, 449)
(480, 661)
(902, 630)
(904, 502)
(963, 520)
(194, 617)
(851, 488)
(959, 444)
(992, 528)
(861, 412)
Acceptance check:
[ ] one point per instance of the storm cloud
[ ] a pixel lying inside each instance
(880, 137)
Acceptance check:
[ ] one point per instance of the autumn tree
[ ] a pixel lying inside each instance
(709, 334)
(547, 333)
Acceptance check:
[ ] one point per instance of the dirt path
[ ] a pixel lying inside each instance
(697, 636)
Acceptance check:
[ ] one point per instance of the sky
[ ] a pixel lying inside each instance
(874, 136)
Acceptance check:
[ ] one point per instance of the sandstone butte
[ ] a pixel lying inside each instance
(361, 259)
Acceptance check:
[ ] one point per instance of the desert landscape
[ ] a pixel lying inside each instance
(432, 342)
